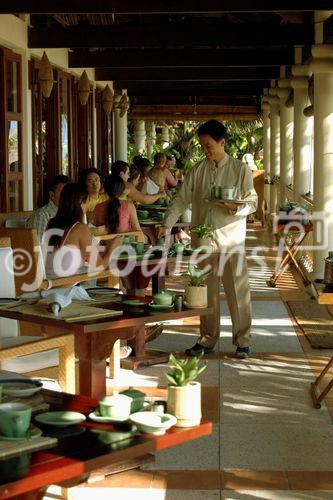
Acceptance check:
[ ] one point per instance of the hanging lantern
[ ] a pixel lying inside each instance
(45, 76)
(83, 88)
(107, 99)
(123, 105)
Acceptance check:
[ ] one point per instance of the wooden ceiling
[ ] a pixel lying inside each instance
(178, 58)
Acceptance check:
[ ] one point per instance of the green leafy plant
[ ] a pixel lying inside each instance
(202, 231)
(184, 371)
(197, 276)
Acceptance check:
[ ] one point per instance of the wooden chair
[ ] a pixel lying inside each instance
(25, 245)
(27, 348)
(14, 219)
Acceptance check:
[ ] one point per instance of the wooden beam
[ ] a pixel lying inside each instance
(159, 7)
(154, 35)
(197, 117)
(186, 74)
(190, 109)
(152, 58)
(193, 88)
(159, 100)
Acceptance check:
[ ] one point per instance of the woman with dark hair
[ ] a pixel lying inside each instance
(134, 176)
(118, 215)
(71, 238)
(121, 169)
(90, 180)
(143, 167)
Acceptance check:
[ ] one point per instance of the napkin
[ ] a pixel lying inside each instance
(62, 297)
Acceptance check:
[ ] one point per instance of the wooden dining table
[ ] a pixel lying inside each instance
(81, 450)
(94, 339)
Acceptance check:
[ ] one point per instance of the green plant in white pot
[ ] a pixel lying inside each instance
(196, 289)
(203, 235)
(184, 392)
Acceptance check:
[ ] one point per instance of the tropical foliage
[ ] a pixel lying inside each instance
(243, 137)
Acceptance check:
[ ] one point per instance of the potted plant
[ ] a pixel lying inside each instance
(184, 393)
(196, 289)
(203, 234)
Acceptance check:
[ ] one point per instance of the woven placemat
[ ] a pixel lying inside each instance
(315, 321)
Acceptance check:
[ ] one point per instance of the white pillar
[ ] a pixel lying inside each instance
(165, 137)
(120, 124)
(140, 135)
(286, 137)
(151, 138)
(302, 131)
(274, 144)
(266, 141)
(322, 67)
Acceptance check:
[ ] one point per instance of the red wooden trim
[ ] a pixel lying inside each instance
(55, 465)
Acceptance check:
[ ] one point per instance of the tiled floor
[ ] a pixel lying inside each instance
(268, 441)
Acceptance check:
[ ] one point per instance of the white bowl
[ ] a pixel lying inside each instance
(150, 422)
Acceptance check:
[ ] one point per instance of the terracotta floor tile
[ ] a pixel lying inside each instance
(254, 480)
(310, 480)
(187, 480)
(210, 397)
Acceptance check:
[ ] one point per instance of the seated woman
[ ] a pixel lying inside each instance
(160, 174)
(72, 239)
(143, 166)
(120, 216)
(117, 214)
(121, 169)
(134, 177)
(90, 180)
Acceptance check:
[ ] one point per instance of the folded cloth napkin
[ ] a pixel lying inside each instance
(62, 297)
(57, 298)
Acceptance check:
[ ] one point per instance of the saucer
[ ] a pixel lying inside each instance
(60, 418)
(103, 291)
(97, 417)
(228, 200)
(134, 303)
(159, 307)
(20, 388)
(190, 250)
(194, 307)
(33, 433)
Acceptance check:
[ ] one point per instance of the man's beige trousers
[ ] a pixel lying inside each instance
(237, 292)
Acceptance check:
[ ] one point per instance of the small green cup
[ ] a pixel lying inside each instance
(163, 299)
(116, 406)
(128, 239)
(138, 247)
(14, 419)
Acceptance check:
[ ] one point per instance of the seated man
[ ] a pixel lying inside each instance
(40, 218)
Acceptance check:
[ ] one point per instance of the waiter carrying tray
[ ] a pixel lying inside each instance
(228, 220)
